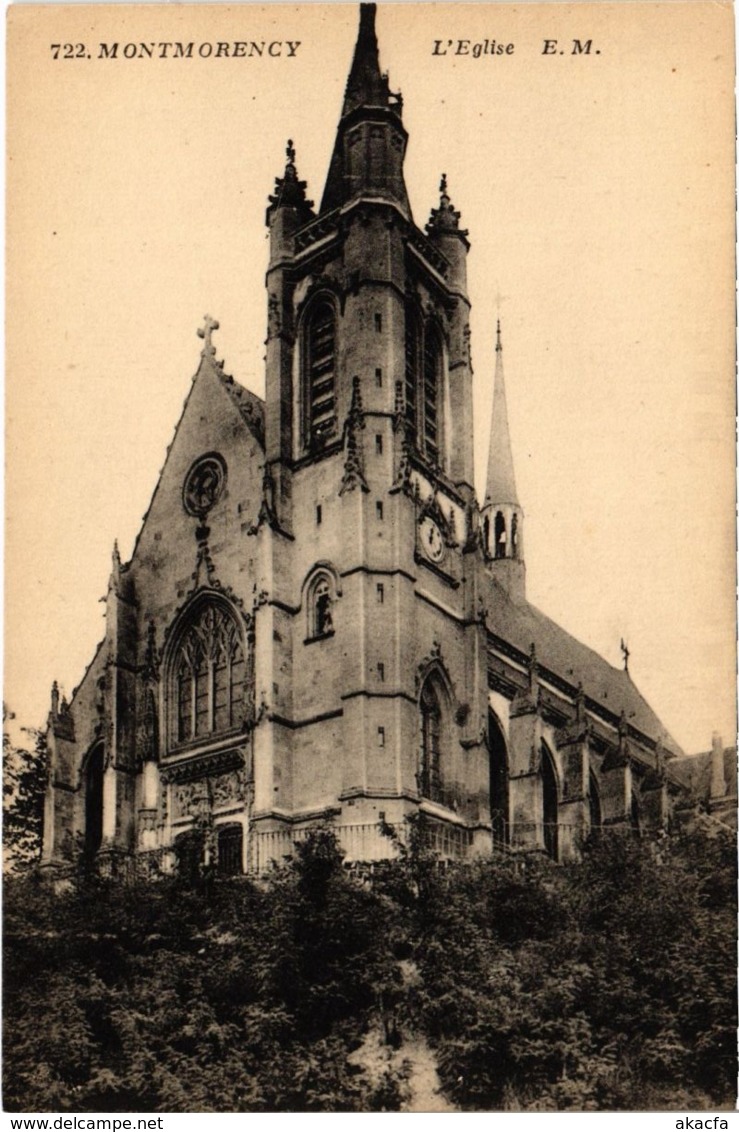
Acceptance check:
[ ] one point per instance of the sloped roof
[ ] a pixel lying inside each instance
(250, 406)
(522, 625)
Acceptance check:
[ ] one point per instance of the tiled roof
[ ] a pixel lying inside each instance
(522, 625)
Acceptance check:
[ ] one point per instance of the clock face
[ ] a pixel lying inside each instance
(432, 540)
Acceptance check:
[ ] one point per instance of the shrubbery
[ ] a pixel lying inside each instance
(606, 985)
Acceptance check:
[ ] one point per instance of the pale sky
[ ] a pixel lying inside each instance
(598, 194)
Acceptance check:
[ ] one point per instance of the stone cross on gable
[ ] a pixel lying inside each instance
(205, 332)
(626, 653)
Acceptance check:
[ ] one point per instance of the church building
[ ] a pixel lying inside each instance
(320, 622)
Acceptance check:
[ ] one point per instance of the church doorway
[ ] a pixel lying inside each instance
(94, 802)
(498, 783)
(550, 806)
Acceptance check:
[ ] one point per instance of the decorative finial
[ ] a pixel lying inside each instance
(55, 698)
(498, 342)
(626, 654)
(290, 151)
(205, 332)
(442, 185)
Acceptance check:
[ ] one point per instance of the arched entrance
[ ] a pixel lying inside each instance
(94, 801)
(498, 783)
(550, 803)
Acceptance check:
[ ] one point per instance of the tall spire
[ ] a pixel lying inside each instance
(501, 482)
(372, 114)
(366, 85)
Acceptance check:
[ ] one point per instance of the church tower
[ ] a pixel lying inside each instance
(369, 466)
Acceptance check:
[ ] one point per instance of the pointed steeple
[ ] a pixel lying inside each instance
(501, 513)
(372, 115)
(366, 85)
(500, 488)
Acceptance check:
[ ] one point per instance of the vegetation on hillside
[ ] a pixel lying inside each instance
(606, 985)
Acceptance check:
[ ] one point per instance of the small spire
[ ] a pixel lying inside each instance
(55, 698)
(116, 555)
(501, 480)
(290, 152)
(205, 332)
(442, 186)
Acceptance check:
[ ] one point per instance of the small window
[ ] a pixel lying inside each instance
(380, 593)
(500, 536)
(230, 850)
(319, 514)
(378, 377)
(378, 445)
(378, 323)
(379, 509)
(320, 607)
(380, 736)
(381, 672)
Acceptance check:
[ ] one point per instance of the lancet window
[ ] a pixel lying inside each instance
(430, 756)
(424, 373)
(320, 373)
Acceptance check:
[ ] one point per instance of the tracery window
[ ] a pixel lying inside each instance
(429, 771)
(209, 667)
(320, 373)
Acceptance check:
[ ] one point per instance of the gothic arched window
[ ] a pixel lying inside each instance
(550, 803)
(498, 783)
(321, 606)
(424, 384)
(320, 373)
(412, 356)
(500, 535)
(208, 676)
(430, 755)
(594, 804)
(432, 387)
(94, 801)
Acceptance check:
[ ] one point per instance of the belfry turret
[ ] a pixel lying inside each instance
(502, 515)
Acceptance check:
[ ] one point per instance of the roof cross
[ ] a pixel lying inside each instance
(626, 654)
(205, 332)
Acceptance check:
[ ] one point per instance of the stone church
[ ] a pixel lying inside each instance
(320, 622)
